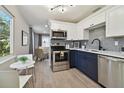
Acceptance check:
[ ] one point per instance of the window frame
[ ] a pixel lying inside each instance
(11, 31)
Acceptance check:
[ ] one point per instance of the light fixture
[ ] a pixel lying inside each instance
(61, 8)
(46, 26)
(72, 5)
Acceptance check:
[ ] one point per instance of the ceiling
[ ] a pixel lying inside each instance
(37, 15)
(40, 29)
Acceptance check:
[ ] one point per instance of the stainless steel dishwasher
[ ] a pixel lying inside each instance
(111, 71)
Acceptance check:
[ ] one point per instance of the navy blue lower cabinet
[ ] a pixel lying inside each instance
(92, 66)
(77, 63)
(85, 62)
(82, 65)
(72, 58)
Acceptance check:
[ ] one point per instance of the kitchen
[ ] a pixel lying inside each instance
(83, 40)
(96, 48)
(70, 46)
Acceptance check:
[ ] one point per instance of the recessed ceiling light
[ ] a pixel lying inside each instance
(46, 26)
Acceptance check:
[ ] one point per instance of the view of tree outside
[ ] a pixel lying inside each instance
(4, 33)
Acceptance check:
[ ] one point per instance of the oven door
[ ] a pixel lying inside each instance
(60, 57)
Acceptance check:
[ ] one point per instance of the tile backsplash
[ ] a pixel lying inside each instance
(107, 43)
(58, 42)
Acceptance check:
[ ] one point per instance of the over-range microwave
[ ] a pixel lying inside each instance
(59, 34)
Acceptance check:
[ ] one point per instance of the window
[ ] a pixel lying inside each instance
(6, 35)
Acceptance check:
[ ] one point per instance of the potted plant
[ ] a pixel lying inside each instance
(23, 59)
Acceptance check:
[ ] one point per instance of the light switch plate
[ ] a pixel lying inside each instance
(116, 43)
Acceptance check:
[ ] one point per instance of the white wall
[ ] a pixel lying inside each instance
(45, 38)
(45, 41)
(19, 25)
(5, 66)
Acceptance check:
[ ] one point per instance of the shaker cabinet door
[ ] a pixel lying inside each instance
(92, 66)
(115, 21)
(72, 58)
(82, 64)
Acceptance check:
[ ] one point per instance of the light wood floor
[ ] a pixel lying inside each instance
(72, 78)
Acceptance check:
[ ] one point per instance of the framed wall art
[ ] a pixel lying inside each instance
(24, 38)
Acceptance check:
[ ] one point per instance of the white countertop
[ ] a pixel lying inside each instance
(20, 65)
(100, 52)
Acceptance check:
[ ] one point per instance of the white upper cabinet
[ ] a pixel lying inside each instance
(57, 25)
(94, 19)
(71, 31)
(98, 19)
(115, 21)
(81, 33)
(54, 26)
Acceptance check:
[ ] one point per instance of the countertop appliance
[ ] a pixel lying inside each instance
(59, 58)
(111, 71)
(59, 34)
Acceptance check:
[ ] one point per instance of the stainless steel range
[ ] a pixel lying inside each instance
(60, 59)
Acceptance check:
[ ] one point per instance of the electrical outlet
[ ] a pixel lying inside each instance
(116, 43)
